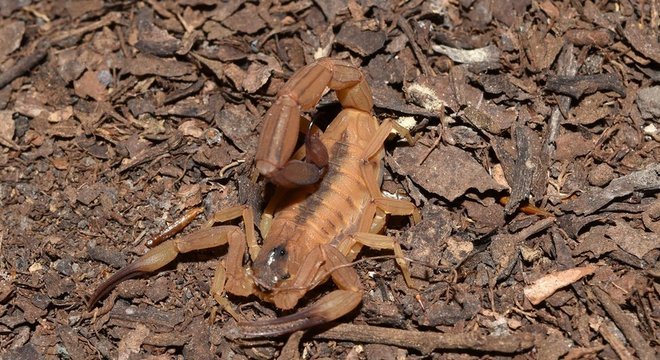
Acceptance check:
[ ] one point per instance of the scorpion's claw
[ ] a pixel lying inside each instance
(332, 306)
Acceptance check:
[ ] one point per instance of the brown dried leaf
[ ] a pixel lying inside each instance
(193, 128)
(89, 85)
(79, 8)
(7, 125)
(651, 217)
(69, 64)
(643, 39)
(152, 39)
(190, 195)
(544, 287)
(448, 171)
(490, 117)
(236, 75)
(257, 75)
(542, 51)
(151, 65)
(571, 145)
(507, 11)
(246, 20)
(487, 216)
(237, 124)
(594, 242)
(363, 41)
(633, 241)
(641, 180)
(217, 67)
(591, 109)
(11, 34)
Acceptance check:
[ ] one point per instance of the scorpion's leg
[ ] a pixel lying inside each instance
(372, 223)
(166, 252)
(373, 220)
(374, 148)
(235, 212)
(322, 261)
(237, 283)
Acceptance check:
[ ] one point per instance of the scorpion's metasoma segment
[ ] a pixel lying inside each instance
(311, 233)
(282, 122)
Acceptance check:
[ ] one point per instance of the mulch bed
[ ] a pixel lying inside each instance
(536, 168)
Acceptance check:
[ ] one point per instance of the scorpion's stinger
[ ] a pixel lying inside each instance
(282, 121)
(300, 173)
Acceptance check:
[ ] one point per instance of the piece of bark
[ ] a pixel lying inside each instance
(576, 86)
(642, 180)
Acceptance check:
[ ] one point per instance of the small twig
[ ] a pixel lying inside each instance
(290, 349)
(23, 65)
(428, 341)
(430, 149)
(408, 31)
(112, 17)
(642, 347)
(175, 227)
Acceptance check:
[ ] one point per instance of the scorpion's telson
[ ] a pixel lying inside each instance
(282, 121)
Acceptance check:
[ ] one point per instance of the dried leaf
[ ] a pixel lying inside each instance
(11, 34)
(633, 241)
(643, 39)
(448, 171)
(151, 65)
(642, 180)
(544, 287)
(131, 343)
(363, 41)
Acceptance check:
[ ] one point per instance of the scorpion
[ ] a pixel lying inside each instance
(326, 208)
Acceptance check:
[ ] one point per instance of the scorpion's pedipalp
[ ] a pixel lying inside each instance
(166, 252)
(330, 307)
(297, 173)
(125, 273)
(323, 261)
(315, 152)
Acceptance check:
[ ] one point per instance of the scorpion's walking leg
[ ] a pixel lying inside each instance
(373, 222)
(323, 261)
(374, 219)
(237, 283)
(373, 149)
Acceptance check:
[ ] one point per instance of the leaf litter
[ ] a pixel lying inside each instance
(535, 168)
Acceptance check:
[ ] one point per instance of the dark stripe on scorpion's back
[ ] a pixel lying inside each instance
(339, 152)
